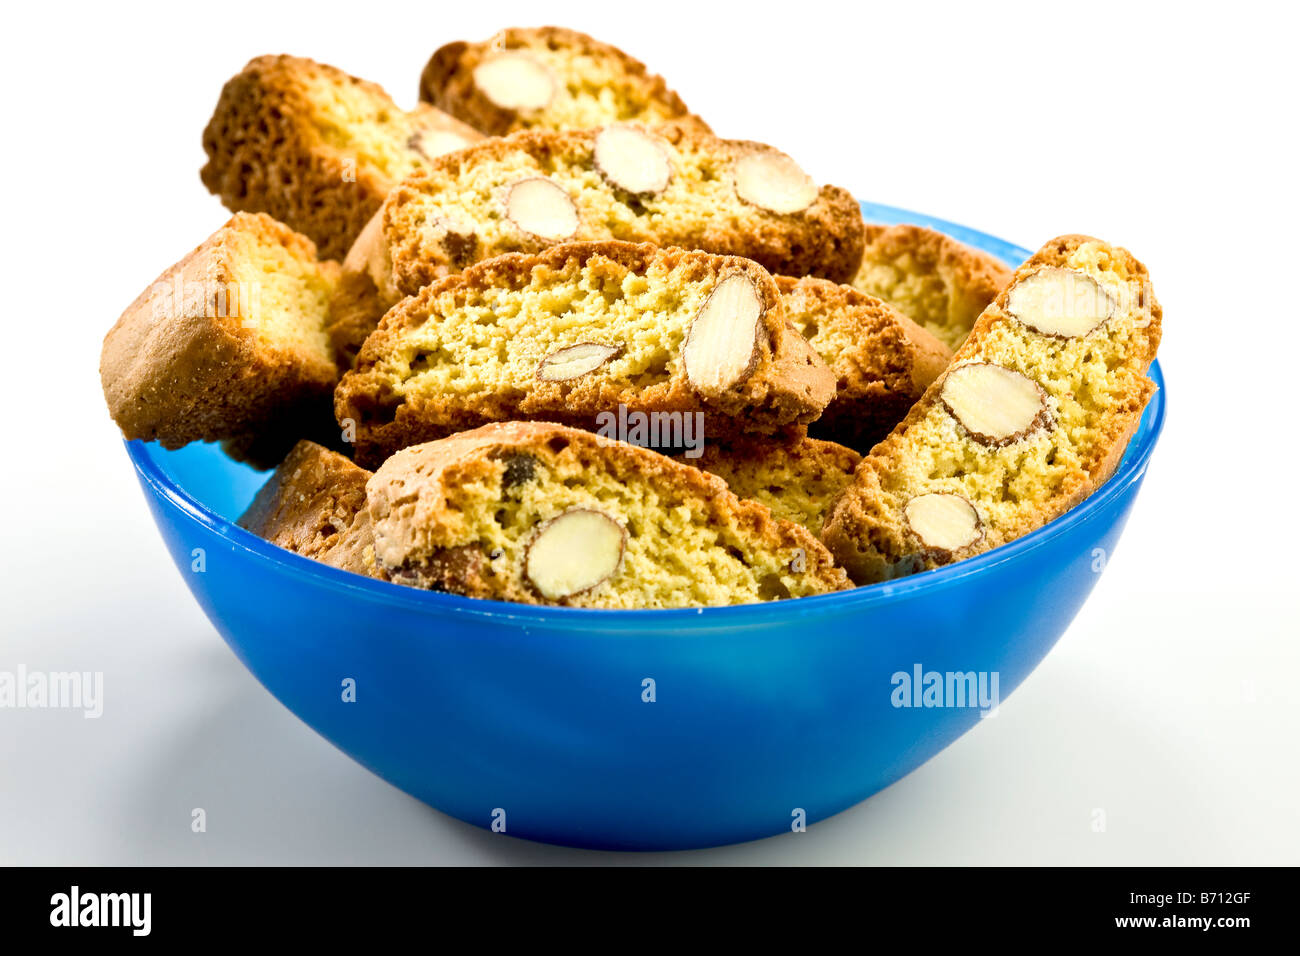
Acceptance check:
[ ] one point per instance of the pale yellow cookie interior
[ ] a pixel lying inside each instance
(700, 197)
(278, 291)
(796, 488)
(591, 88)
(353, 119)
(677, 554)
(481, 341)
(1083, 378)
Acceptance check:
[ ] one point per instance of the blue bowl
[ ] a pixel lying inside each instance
(636, 730)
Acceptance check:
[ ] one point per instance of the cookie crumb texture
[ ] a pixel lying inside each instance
(882, 361)
(547, 78)
(533, 189)
(317, 148)
(542, 514)
(1033, 415)
(579, 330)
(938, 282)
(228, 342)
(796, 478)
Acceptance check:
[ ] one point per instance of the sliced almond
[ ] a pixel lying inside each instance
(995, 405)
(632, 160)
(773, 181)
(515, 81)
(369, 255)
(540, 207)
(435, 142)
(365, 248)
(1062, 302)
(943, 522)
(722, 346)
(574, 361)
(574, 553)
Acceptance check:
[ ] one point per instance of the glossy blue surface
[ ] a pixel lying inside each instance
(760, 712)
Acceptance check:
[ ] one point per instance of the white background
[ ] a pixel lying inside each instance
(1168, 128)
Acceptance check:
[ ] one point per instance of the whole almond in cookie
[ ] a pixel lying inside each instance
(541, 208)
(775, 182)
(1060, 302)
(723, 342)
(435, 142)
(943, 522)
(574, 553)
(632, 160)
(515, 81)
(995, 405)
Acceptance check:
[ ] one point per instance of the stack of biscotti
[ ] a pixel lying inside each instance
(585, 330)
(596, 355)
(663, 185)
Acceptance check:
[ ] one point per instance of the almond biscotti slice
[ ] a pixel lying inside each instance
(228, 342)
(314, 504)
(882, 360)
(1033, 415)
(930, 277)
(316, 148)
(542, 514)
(577, 331)
(547, 77)
(663, 185)
(795, 477)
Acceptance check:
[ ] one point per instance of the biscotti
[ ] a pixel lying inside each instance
(665, 186)
(883, 361)
(228, 342)
(542, 514)
(316, 148)
(795, 477)
(314, 504)
(930, 277)
(549, 78)
(1033, 415)
(580, 330)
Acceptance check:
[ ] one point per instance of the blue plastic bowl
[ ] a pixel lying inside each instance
(536, 718)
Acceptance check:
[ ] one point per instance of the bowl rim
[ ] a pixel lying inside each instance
(1131, 469)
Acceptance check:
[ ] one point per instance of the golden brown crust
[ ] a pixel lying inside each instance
(277, 144)
(422, 244)
(416, 534)
(867, 533)
(182, 364)
(314, 504)
(448, 82)
(882, 360)
(938, 282)
(796, 477)
(788, 384)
